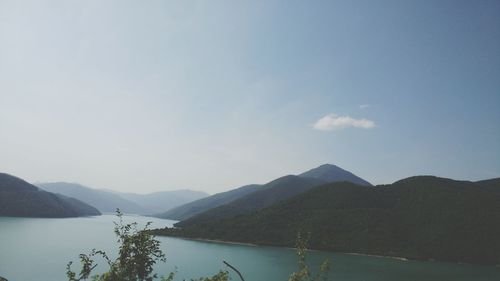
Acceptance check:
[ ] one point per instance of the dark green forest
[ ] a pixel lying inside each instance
(424, 217)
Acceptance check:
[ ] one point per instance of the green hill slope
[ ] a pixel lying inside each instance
(199, 206)
(322, 174)
(419, 217)
(21, 199)
(270, 193)
(489, 185)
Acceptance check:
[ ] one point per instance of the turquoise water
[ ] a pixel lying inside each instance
(39, 249)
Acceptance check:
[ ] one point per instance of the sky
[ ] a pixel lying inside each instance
(143, 96)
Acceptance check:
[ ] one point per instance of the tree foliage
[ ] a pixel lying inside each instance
(139, 251)
(304, 273)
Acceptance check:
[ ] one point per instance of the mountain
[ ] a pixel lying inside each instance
(193, 208)
(164, 200)
(490, 185)
(332, 173)
(81, 207)
(420, 217)
(104, 201)
(109, 201)
(322, 174)
(19, 198)
(270, 193)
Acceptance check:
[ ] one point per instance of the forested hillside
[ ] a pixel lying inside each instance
(19, 198)
(419, 217)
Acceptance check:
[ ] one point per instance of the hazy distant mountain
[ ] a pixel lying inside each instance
(322, 174)
(108, 201)
(19, 198)
(82, 207)
(419, 217)
(193, 208)
(164, 200)
(332, 173)
(104, 201)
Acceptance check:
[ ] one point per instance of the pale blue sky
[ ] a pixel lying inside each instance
(210, 95)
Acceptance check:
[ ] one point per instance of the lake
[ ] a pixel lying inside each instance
(39, 249)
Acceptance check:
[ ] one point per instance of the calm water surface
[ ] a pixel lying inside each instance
(39, 249)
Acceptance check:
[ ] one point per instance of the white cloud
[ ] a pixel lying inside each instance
(364, 106)
(332, 122)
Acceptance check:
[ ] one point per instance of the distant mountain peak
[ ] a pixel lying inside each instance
(328, 165)
(333, 173)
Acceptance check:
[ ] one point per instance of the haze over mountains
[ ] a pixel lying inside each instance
(164, 200)
(108, 201)
(256, 196)
(19, 198)
(182, 204)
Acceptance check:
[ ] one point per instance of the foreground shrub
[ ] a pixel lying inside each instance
(139, 251)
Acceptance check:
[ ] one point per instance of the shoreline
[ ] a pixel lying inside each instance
(377, 256)
(290, 248)
(218, 241)
(318, 250)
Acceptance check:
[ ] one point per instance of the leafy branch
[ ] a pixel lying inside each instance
(139, 251)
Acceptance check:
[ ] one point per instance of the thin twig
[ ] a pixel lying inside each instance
(233, 268)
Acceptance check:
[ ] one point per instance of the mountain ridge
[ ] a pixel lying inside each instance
(198, 206)
(268, 194)
(333, 173)
(19, 198)
(323, 173)
(108, 201)
(105, 202)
